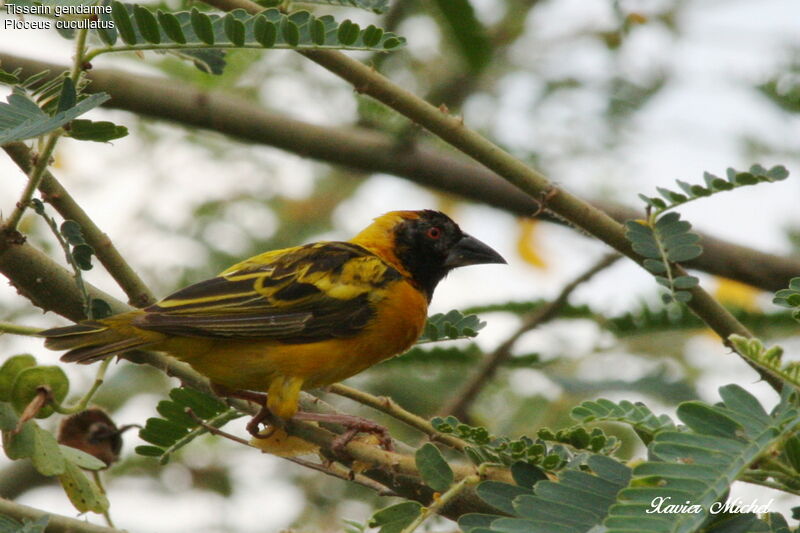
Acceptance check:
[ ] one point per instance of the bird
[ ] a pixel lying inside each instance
(297, 318)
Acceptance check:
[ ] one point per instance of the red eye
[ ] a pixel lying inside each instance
(434, 233)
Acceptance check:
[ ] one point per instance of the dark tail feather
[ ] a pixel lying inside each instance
(88, 342)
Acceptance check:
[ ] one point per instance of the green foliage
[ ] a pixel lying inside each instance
(27, 440)
(455, 355)
(467, 32)
(700, 463)
(80, 251)
(34, 443)
(666, 241)
(30, 382)
(579, 438)
(696, 463)
(395, 518)
(657, 384)
(376, 6)
(575, 503)
(439, 355)
(9, 371)
(452, 325)
(10, 78)
(351, 526)
(433, 469)
(47, 93)
(637, 415)
(645, 319)
(21, 380)
(714, 184)
(785, 95)
(9, 525)
(487, 448)
(528, 306)
(628, 97)
(768, 359)
(138, 28)
(98, 131)
(84, 493)
(21, 118)
(177, 427)
(790, 298)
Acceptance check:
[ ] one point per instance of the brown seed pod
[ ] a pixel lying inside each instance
(92, 431)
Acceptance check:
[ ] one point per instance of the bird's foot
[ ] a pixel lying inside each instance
(263, 415)
(353, 425)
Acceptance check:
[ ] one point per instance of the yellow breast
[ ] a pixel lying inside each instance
(253, 365)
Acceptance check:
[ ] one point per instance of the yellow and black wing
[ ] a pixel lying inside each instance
(304, 294)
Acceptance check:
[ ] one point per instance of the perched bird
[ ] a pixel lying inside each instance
(297, 318)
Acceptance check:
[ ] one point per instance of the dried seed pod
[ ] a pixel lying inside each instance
(92, 431)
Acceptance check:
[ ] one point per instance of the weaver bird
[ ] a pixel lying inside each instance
(298, 318)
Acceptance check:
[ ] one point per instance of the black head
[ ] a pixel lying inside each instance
(429, 245)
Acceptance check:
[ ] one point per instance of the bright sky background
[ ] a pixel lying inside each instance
(695, 124)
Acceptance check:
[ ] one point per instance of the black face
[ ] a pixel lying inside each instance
(432, 245)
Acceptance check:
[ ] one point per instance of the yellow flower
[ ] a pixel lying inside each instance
(527, 243)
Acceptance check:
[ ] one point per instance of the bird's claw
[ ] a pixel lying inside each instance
(264, 414)
(353, 425)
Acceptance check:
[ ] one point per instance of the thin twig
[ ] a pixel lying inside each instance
(80, 53)
(84, 402)
(99, 481)
(56, 523)
(34, 177)
(461, 401)
(76, 270)
(16, 329)
(330, 470)
(344, 474)
(139, 295)
(43, 159)
(211, 426)
(769, 484)
(440, 502)
(391, 408)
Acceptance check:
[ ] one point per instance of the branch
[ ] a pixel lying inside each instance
(371, 151)
(531, 181)
(56, 524)
(27, 267)
(35, 173)
(461, 402)
(18, 477)
(391, 408)
(15, 329)
(138, 293)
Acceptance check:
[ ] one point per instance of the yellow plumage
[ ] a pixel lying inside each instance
(297, 318)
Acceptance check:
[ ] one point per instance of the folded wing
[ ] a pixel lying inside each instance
(303, 294)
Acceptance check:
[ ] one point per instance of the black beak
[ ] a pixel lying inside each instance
(471, 251)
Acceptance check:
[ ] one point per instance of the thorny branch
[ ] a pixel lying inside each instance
(371, 151)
